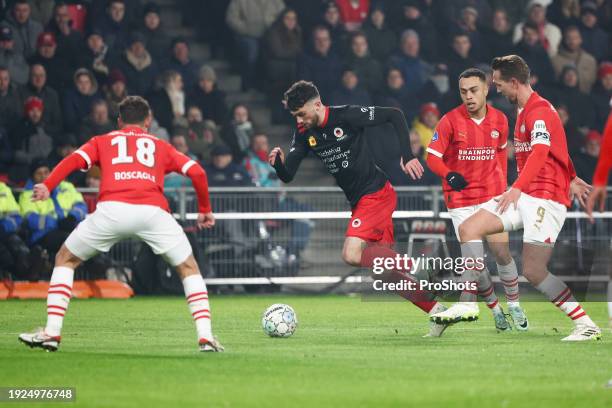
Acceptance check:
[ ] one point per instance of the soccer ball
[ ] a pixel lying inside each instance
(279, 320)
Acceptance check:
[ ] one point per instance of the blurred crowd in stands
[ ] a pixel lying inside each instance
(65, 66)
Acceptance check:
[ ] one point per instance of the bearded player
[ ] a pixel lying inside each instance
(468, 150)
(336, 135)
(537, 201)
(131, 203)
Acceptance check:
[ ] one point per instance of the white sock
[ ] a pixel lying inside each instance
(487, 291)
(197, 299)
(58, 298)
(509, 277)
(474, 250)
(610, 300)
(557, 291)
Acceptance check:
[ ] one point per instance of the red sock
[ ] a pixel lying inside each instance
(420, 298)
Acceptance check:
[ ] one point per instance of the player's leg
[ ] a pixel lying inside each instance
(543, 220)
(167, 238)
(508, 274)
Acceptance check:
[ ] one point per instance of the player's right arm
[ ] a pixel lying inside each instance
(435, 159)
(600, 177)
(287, 167)
(81, 159)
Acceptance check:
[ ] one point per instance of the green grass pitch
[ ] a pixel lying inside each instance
(142, 353)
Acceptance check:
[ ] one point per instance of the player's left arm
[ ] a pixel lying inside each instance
(539, 123)
(378, 115)
(180, 163)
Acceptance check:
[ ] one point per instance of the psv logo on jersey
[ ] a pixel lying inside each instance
(494, 134)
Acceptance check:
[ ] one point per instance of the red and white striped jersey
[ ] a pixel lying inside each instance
(472, 149)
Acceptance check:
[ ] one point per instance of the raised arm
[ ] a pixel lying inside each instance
(287, 167)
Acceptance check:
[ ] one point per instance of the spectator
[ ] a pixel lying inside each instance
(602, 94)
(25, 30)
(283, 45)
(175, 180)
(79, 99)
(158, 131)
(595, 40)
(573, 136)
(535, 55)
(14, 254)
(572, 53)
(350, 92)
(59, 70)
(585, 161)
(70, 42)
(397, 94)
(168, 102)
(425, 124)
(158, 42)
(206, 96)
(29, 140)
(137, 65)
(322, 65)
(414, 70)
(97, 57)
(382, 40)
(249, 19)
(437, 90)
(64, 145)
(577, 102)
(418, 150)
(498, 39)
(413, 19)
(37, 86)
(564, 13)
(337, 31)
(11, 101)
(237, 132)
(202, 135)
(353, 13)
(11, 59)
(451, 9)
(549, 34)
(223, 172)
(368, 70)
(514, 9)
(460, 57)
(113, 26)
(182, 63)
(46, 224)
(42, 10)
(468, 23)
(96, 123)
(115, 92)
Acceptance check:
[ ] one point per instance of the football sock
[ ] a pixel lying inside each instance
(197, 300)
(58, 298)
(471, 250)
(508, 275)
(610, 301)
(422, 299)
(557, 291)
(487, 291)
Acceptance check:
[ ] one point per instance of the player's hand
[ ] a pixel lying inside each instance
(40, 192)
(509, 197)
(413, 168)
(456, 181)
(597, 197)
(274, 153)
(579, 189)
(206, 220)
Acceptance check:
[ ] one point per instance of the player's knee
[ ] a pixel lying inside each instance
(188, 267)
(351, 256)
(465, 232)
(66, 258)
(530, 272)
(502, 256)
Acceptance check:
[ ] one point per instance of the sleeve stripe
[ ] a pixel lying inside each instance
(85, 156)
(434, 152)
(187, 166)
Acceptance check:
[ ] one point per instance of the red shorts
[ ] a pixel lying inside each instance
(371, 219)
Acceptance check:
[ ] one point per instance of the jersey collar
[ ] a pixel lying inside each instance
(534, 96)
(325, 118)
(132, 129)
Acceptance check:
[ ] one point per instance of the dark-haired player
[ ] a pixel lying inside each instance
(537, 201)
(336, 135)
(468, 150)
(131, 203)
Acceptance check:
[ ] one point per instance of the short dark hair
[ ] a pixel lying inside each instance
(511, 66)
(474, 72)
(134, 110)
(299, 94)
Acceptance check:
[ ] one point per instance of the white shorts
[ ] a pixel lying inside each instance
(458, 215)
(114, 221)
(540, 219)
